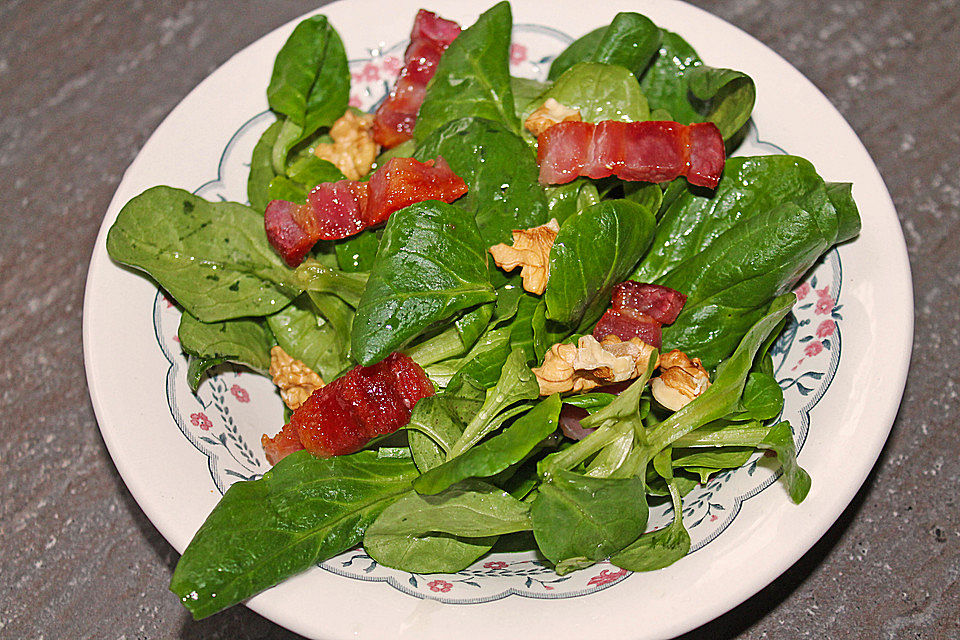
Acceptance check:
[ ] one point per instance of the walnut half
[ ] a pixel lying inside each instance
(530, 252)
(295, 380)
(353, 149)
(549, 114)
(590, 364)
(680, 381)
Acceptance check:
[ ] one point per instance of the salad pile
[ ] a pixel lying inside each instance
(444, 430)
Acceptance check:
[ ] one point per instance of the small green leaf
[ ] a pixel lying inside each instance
(630, 40)
(213, 258)
(500, 170)
(261, 168)
(584, 520)
(446, 532)
(494, 455)
(679, 83)
(244, 341)
(473, 76)
(431, 263)
(303, 511)
(600, 92)
(780, 440)
(581, 277)
(306, 335)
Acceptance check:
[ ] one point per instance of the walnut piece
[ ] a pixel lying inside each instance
(549, 114)
(680, 381)
(295, 379)
(590, 364)
(353, 149)
(531, 252)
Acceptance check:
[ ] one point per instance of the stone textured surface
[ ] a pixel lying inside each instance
(83, 84)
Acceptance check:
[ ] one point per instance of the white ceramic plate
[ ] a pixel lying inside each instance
(843, 364)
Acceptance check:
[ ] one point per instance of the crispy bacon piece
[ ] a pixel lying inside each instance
(281, 445)
(404, 181)
(343, 416)
(626, 324)
(663, 304)
(430, 37)
(334, 210)
(655, 151)
(639, 310)
(285, 233)
(341, 209)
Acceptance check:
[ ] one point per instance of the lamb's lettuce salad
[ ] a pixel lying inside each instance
(482, 462)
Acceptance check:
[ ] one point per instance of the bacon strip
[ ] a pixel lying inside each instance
(661, 303)
(639, 310)
(430, 37)
(656, 151)
(343, 416)
(336, 210)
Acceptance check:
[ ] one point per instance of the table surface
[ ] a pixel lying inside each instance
(84, 83)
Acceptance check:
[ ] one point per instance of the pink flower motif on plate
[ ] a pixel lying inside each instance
(812, 349)
(240, 393)
(495, 564)
(824, 305)
(369, 73)
(393, 64)
(518, 53)
(826, 328)
(441, 586)
(803, 290)
(200, 420)
(606, 577)
(355, 101)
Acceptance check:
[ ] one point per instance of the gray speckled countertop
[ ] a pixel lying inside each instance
(84, 83)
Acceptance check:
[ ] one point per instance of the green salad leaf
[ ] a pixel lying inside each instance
(582, 278)
(310, 83)
(500, 170)
(212, 257)
(305, 334)
(600, 92)
(299, 513)
(473, 76)
(660, 548)
(578, 520)
(631, 40)
(496, 454)
(446, 532)
(243, 341)
(261, 168)
(681, 85)
(431, 263)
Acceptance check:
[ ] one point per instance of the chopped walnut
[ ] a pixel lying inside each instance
(590, 364)
(295, 379)
(549, 114)
(353, 149)
(680, 381)
(531, 252)
(636, 349)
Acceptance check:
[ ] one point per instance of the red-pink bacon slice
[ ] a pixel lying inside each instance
(655, 151)
(639, 310)
(336, 210)
(430, 37)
